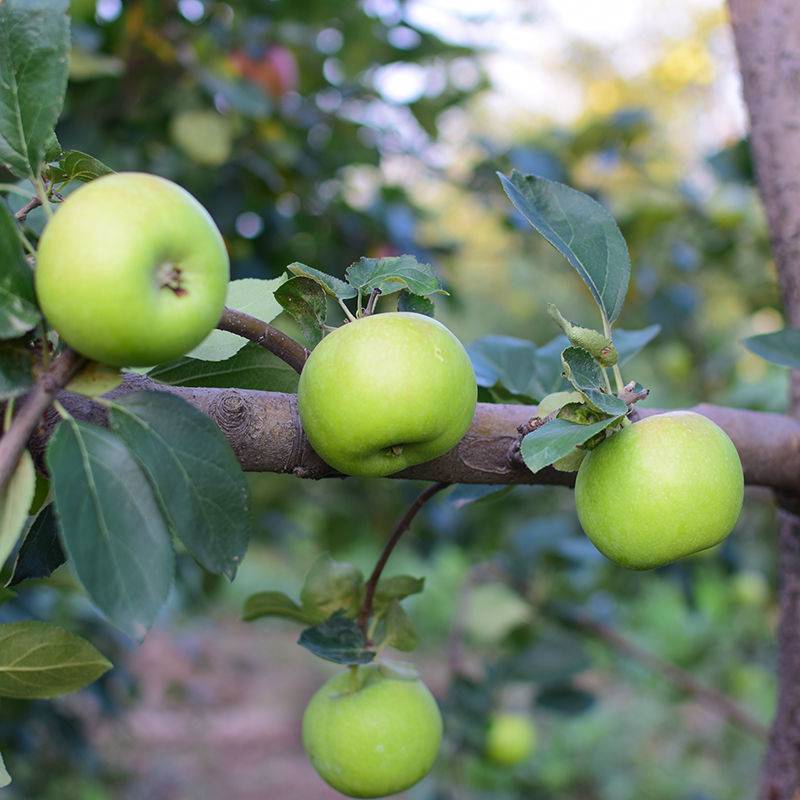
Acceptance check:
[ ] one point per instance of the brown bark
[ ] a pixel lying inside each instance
(767, 34)
(265, 432)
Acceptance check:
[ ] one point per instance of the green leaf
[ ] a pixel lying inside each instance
(394, 629)
(629, 343)
(565, 699)
(41, 553)
(781, 347)
(570, 462)
(397, 587)
(34, 44)
(194, 473)
(510, 363)
(18, 310)
(585, 374)
(393, 274)
(111, 526)
(273, 604)
(38, 661)
(415, 304)
(305, 300)
(581, 229)
(337, 639)
(6, 595)
(95, 379)
(251, 295)
(72, 165)
(252, 367)
(597, 344)
(470, 494)
(330, 285)
(15, 500)
(5, 778)
(556, 439)
(331, 586)
(556, 401)
(16, 369)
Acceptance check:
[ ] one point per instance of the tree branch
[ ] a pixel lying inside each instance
(22, 214)
(402, 526)
(767, 34)
(264, 334)
(720, 704)
(265, 432)
(37, 401)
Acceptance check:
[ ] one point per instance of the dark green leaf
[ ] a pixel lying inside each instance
(18, 310)
(34, 45)
(194, 473)
(337, 639)
(38, 660)
(629, 343)
(72, 165)
(305, 300)
(581, 229)
(6, 595)
(507, 362)
(273, 604)
(16, 369)
(556, 439)
(586, 375)
(781, 347)
(394, 629)
(393, 274)
(415, 304)
(252, 367)
(111, 526)
(331, 586)
(332, 286)
(470, 494)
(15, 502)
(565, 699)
(41, 553)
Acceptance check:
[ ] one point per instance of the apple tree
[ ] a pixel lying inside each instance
(138, 383)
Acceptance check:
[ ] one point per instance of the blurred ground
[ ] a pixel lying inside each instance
(217, 720)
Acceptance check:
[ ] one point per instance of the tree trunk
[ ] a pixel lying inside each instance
(767, 34)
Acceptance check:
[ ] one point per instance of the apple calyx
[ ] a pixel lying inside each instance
(168, 276)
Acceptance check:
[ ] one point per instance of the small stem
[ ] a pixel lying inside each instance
(371, 303)
(264, 334)
(617, 372)
(67, 364)
(348, 313)
(358, 304)
(22, 214)
(402, 526)
(44, 201)
(606, 380)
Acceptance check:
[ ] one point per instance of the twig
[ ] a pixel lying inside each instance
(373, 299)
(630, 394)
(720, 704)
(63, 368)
(264, 334)
(22, 214)
(402, 527)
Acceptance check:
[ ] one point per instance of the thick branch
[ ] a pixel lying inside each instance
(402, 526)
(767, 34)
(264, 430)
(63, 368)
(715, 701)
(269, 337)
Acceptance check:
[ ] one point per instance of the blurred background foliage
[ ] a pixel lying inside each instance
(320, 132)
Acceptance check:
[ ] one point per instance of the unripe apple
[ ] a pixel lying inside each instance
(372, 733)
(386, 392)
(511, 739)
(661, 489)
(131, 270)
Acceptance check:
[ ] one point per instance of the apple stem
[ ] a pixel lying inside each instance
(51, 382)
(402, 526)
(265, 335)
(373, 299)
(347, 312)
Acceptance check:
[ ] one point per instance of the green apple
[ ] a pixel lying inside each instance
(511, 739)
(661, 489)
(386, 392)
(372, 732)
(132, 271)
